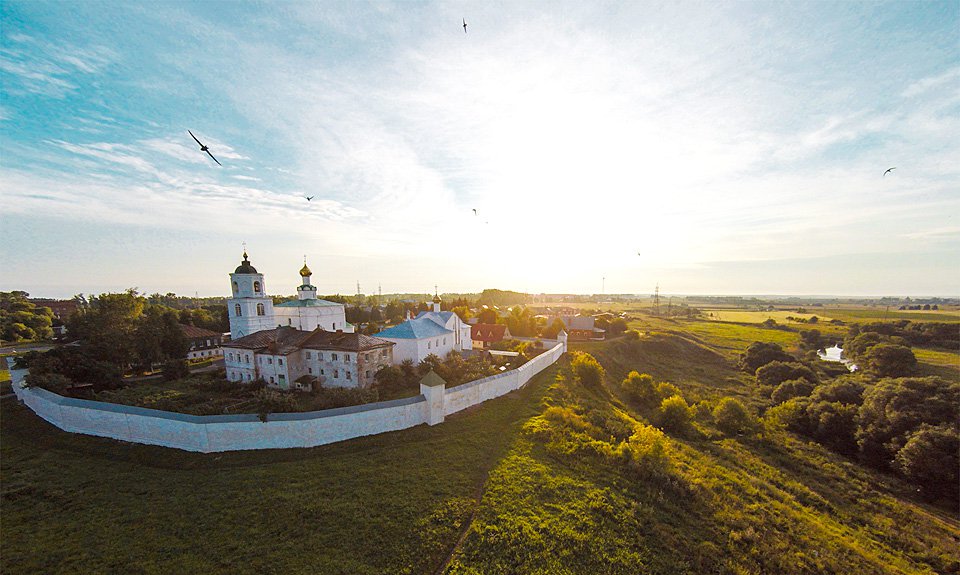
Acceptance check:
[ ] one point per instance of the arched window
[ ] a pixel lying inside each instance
(236, 310)
(260, 309)
(235, 287)
(256, 287)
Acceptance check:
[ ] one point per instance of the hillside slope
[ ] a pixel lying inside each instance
(583, 490)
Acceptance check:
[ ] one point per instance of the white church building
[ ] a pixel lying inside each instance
(251, 310)
(431, 332)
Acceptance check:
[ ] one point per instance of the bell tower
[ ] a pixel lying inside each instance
(250, 309)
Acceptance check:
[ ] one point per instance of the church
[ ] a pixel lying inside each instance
(252, 310)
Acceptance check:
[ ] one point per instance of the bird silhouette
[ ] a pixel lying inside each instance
(889, 170)
(204, 148)
(474, 211)
(309, 197)
(464, 25)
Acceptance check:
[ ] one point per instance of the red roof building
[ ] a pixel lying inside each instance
(484, 334)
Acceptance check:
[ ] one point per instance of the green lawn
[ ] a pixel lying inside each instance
(392, 503)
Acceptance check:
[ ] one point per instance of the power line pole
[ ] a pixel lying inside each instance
(656, 300)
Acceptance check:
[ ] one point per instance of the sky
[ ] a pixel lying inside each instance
(607, 147)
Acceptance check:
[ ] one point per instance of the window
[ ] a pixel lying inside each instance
(235, 287)
(368, 374)
(247, 358)
(348, 375)
(346, 357)
(231, 357)
(236, 310)
(334, 326)
(289, 321)
(260, 310)
(256, 287)
(321, 372)
(271, 379)
(428, 344)
(270, 361)
(336, 373)
(334, 357)
(248, 377)
(280, 361)
(310, 370)
(444, 341)
(282, 379)
(308, 355)
(320, 355)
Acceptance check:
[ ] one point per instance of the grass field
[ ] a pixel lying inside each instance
(399, 502)
(392, 503)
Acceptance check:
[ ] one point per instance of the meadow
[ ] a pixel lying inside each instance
(526, 483)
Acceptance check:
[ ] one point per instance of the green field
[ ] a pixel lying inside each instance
(482, 493)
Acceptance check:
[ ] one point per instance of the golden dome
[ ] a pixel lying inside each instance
(305, 271)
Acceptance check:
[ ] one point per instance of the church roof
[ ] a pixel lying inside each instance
(281, 341)
(245, 267)
(305, 271)
(418, 328)
(338, 340)
(441, 317)
(307, 303)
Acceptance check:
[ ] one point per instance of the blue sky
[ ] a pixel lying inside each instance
(727, 148)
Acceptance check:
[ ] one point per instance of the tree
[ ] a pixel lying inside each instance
(732, 417)
(106, 327)
(777, 372)
(889, 360)
(21, 319)
(488, 315)
(586, 369)
(792, 388)
(552, 330)
(463, 312)
(929, 459)
(760, 353)
(894, 408)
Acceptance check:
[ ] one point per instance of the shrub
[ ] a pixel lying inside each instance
(674, 414)
(586, 369)
(929, 459)
(667, 389)
(646, 452)
(889, 360)
(732, 417)
(760, 353)
(790, 389)
(641, 388)
(777, 372)
(631, 335)
(175, 369)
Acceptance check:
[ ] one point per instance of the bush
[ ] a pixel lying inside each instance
(732, 417)
(929, 459)
(889, 360)
(777, 372)
(641, 388)
(790, 389)
(761, 353)
(175, 369)
(667, 389)
(674, 414)
(631, 335)
(586, 369)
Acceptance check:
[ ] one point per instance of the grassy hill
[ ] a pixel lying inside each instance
(555, 478)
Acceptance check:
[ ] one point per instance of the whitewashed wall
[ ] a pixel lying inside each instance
(214, 433)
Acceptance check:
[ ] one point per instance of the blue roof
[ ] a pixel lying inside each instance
(418, 328)
(443, 316)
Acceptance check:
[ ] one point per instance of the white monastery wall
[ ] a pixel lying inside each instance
(215, 433)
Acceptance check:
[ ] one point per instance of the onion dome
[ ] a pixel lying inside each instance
(305, 271)
(245, 267)
(436, 299)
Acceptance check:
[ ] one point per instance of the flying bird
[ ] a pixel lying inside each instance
(204, 148)
(474, 211)
(464, 25)
(309, 197)
(889, 170)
